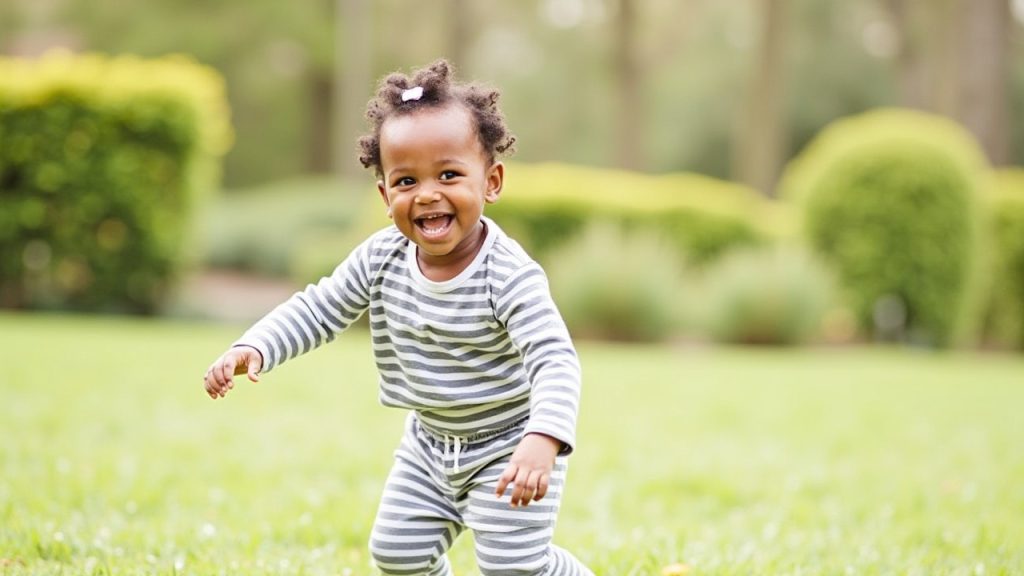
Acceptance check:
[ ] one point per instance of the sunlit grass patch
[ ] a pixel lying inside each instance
(725, 461)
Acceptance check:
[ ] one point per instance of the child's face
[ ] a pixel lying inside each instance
(437, 179)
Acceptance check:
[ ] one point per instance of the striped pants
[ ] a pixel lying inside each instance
(437, 488)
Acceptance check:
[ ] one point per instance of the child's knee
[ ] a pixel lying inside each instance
(401, 558)
(513, 566)
(525, 552)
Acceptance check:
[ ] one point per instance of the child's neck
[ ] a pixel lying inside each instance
(448, 266)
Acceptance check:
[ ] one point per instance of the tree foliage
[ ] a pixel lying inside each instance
(690, 68)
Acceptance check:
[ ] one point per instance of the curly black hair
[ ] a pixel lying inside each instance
(439, 90)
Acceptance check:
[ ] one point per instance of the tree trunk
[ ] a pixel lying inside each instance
(983, 79)
(352, 82)
(954, 60)
(760, 140)
(914, 80)
(629, 142)
(460, 21)
(320, 157)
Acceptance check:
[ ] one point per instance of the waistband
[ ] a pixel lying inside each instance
(445, 436)
(454, 444)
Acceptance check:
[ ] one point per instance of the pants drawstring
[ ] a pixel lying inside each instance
(457, 449)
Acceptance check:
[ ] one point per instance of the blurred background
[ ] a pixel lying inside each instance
(672, 128)
(658, 85)
(786, 235)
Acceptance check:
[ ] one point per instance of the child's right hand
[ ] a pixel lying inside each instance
(237, 360)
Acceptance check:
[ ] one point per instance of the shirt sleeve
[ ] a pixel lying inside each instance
(315, 315)
(528, 312)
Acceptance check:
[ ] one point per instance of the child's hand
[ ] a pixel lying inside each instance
(530, 469)
(237, 360)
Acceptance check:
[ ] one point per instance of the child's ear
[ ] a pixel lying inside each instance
(384, 196)
(495, 181)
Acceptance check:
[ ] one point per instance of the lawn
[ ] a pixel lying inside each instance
(730, 461)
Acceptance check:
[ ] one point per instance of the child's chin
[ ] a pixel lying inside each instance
(433, 249)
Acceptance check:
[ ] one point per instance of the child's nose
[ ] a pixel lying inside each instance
(427, 195)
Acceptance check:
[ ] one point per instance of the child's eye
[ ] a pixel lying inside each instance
(449, 174)
(404, 181)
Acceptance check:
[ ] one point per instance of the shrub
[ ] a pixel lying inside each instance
(617, 285)
(1005, 307)
(765, 296)
(317, 252)
(265, 229)
(890, 199)
(546, 205)
(102, 162)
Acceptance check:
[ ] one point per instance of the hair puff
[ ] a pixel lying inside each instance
(439, 90)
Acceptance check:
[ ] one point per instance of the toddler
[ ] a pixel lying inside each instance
(465, 337)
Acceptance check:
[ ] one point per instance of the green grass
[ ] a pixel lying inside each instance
(732, 461)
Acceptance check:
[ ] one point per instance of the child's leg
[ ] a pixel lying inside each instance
(525, 552)
(415, 525)
(517, 541)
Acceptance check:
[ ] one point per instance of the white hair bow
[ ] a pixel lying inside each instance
(412, 94)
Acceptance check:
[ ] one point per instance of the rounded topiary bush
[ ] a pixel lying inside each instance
(891, 200)
(773, 296)
(615, 285)
(548, 205)
(1005, 307)
(545, 206)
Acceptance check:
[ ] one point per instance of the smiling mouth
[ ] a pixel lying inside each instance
(434, 225)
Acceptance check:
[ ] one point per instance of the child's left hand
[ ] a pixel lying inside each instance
(530, 469)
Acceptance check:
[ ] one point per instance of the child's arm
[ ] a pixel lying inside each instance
(529, 314)
(308, 319)
(316, 315)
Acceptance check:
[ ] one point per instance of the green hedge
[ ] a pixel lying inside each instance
(617, 285)
(891, 200)
(778, 295)
(1005, 314)
(102, 162)
(546, 205)
(277, 229)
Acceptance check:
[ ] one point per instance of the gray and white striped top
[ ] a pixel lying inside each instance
(470, 355)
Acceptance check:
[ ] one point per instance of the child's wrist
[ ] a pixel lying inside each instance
(554, 442)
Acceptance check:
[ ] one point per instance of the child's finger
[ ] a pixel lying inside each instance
(503, 481)
(532, 487)
(542, 486)
(528, 489)
(228, 371)
(254, 369)
(208, 382)
(517, 495)
(211, 384)
(215, 375)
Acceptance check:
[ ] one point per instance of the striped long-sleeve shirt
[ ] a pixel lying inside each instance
(473, 354)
